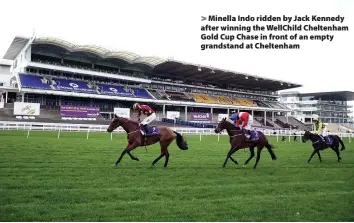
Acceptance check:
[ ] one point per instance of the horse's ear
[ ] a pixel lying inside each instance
(224, 119)
(115, 116)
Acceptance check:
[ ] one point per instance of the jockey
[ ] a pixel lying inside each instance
(245, 119)
(318, 127)
(146, 110)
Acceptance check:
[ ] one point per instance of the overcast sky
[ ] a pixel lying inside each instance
(172, 28)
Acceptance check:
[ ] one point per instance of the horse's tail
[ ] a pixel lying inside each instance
(341, 142)
(181, 143)
(267, 145)
(270, 150)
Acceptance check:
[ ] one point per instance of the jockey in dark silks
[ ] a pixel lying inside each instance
(149, 112)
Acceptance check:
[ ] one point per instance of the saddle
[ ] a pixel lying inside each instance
(149, 131)
(253, 135)
(328, 140)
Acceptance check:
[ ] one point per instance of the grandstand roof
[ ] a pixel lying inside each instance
(334, 95)
(330, 95)
(215, 75)
(170, 68)
(15, 48)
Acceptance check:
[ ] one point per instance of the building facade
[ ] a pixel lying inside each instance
(331, 107)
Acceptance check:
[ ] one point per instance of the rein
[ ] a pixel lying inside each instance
(126, 121)
(236, 135)
(315, 142)
(310, 138)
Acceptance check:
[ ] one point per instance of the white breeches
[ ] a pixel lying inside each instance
(149, 119)
(323, 132)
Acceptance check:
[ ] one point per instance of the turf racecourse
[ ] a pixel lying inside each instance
(73, 179)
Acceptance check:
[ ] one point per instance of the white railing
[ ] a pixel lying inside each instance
(41, 126)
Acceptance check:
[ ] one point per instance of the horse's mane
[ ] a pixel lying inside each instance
(229, 122)
(131, 120)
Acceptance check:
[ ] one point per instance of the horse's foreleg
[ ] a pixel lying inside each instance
(319, 155)
(251, 156)
(131, 156)
(120, 158)
(126, 150)
(228, 156)
(313, 153)
(232, 159)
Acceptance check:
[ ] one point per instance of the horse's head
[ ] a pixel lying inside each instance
(115, 123)
(306, 136)
(224, 124)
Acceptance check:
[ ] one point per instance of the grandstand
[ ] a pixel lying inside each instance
(54, 73)
(331, 107)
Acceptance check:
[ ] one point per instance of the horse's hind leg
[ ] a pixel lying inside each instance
(336, 150)
(251, 156)
(259, 150)
(167, 154)
(157, 159)
(164, 152)
(167, 157)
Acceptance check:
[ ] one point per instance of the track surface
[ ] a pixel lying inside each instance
(72, 179)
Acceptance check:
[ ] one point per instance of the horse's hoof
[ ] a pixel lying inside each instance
(223, 166)
(116, 164)
(164, 166)
(244, 166)
(137, 159)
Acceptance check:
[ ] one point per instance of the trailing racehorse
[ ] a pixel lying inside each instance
(332, 141)
(163, 135)
(238, 140)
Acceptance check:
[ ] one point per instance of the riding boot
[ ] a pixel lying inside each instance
(250, 139)
(245, 131)
(146, 129)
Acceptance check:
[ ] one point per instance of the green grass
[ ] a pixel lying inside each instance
(73, 179)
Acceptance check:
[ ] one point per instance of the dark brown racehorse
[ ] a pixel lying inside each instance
(318, 144)
(135, 139)
(238, 140)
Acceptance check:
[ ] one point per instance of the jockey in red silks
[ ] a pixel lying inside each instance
(149, 112)
(245, 119)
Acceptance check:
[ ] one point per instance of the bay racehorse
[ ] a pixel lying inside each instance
(238, 140)
(163, 135)
(332, 141)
